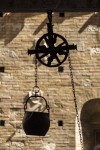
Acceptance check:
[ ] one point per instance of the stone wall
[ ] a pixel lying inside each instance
(20, 32)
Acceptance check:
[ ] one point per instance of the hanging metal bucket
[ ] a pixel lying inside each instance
(34, 122)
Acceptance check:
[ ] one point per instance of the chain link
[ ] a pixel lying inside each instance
(75, 102)
(36, 72)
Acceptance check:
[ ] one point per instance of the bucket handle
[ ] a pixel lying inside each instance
(47, 105)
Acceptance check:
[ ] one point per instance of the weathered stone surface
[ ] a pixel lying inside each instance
(18, 33)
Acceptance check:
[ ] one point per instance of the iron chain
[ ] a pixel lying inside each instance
(36, 89)
(75, 101)
(36, 72)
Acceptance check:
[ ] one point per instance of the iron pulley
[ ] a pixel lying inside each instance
(51, 49)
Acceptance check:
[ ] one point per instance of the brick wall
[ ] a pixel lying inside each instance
(18, 33)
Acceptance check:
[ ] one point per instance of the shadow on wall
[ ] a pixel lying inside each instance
(11, 24)
(90, 121)
(58, 20)
(91, 3)
(94, 21)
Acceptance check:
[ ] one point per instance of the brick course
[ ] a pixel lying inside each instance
(18, 33)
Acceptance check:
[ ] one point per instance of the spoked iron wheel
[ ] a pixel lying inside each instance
(52, 50)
